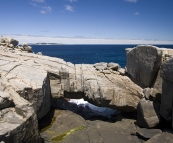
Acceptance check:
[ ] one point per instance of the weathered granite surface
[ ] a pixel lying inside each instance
(28, 72)
(29, 82)
(18, 121)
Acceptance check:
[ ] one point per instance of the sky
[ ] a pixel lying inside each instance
(88, 21)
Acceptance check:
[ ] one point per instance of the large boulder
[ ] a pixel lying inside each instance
(143, 63)
(148, 113)
(110, 90)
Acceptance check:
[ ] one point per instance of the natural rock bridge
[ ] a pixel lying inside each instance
(30, 80)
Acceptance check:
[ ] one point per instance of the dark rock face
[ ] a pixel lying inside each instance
(148, 113)
(166, 100)
(143, 63)
(167, 90)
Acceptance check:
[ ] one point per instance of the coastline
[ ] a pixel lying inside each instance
(37, 83)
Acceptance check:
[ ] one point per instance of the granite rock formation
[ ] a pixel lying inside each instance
(28, 72)
(30, 82)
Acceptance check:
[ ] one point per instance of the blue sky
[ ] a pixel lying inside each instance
(88, 21)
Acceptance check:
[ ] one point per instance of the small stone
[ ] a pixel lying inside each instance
(39, 53)
(114, 66)
(122, 71)
(146, 133)
(100, 66)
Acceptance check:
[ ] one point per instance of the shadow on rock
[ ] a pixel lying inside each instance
(47, 120)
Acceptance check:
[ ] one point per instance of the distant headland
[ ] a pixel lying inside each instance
(45, 44)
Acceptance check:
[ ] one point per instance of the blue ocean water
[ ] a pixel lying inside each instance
(88, 54)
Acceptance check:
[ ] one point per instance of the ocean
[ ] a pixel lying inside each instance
(88, 54)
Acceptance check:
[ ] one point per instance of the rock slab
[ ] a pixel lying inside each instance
(148, 113)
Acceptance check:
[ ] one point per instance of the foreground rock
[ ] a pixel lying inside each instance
(68, 127)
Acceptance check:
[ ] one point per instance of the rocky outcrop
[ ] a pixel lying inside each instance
(8, 41)
(11, 45)
(32, 79)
